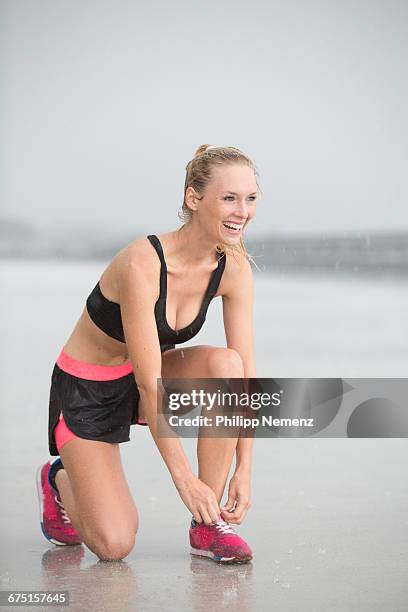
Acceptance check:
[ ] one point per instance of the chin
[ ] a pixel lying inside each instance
(231, 239)
(228, 238)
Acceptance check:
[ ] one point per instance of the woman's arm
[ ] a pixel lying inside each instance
(238, 313)
(238, 324)
(137, 301)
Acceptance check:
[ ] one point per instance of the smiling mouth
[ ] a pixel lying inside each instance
(234, 227)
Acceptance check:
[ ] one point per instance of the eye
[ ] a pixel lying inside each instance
(252, 198)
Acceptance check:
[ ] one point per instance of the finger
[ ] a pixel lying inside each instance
(230, 504)
(197, 517)
(228, 516)
(206, 517)
(215, 512)
(239, 512)
(229, 511)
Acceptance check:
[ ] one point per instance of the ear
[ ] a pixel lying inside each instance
(191, 199)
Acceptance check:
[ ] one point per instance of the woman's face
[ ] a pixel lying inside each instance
(230, 198)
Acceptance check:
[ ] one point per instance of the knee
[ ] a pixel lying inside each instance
(116, 548)
(225, 362)
(112, 546)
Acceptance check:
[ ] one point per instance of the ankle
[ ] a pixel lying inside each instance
(55, 468)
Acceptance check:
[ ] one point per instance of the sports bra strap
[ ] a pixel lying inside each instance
(210, 291)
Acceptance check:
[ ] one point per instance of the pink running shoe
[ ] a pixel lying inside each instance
(218, 541)
(55, 523)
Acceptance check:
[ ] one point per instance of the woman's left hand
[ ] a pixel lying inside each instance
(239, 493)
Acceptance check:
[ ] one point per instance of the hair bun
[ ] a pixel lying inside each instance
(204, 147)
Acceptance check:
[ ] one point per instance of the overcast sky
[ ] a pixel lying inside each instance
(105, 102)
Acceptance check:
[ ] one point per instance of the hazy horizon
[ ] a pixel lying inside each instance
(104, 104)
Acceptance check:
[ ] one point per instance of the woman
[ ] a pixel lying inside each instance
(105, 378)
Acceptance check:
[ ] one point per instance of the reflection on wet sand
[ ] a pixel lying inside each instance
(104, 585)
(228, 586)
(118, 585)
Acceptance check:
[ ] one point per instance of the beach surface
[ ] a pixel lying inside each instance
(329, 521)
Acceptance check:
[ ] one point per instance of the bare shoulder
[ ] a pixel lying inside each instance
(138, 262)
(139, 250)
(237, 276)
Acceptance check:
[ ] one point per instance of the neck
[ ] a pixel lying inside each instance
(192, 248)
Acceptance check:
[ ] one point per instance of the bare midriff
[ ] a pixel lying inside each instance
(88, 343)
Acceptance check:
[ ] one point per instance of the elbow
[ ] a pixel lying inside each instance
(147, 387)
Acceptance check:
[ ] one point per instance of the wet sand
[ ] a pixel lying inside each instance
(329, 521)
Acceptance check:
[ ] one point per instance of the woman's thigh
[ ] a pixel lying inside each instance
(103, 500)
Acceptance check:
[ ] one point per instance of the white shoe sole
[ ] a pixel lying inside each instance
(208, 553)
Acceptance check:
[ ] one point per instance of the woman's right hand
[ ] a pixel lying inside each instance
(199, 498)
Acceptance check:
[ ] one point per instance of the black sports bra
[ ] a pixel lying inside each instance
(106, 314)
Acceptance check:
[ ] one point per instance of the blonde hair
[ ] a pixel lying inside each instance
(199, 175)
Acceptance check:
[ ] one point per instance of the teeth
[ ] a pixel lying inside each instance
(233, 226)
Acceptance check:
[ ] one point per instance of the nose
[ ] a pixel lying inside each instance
(242, 210)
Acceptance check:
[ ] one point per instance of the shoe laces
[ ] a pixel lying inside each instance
(224, 527)
(64, 514)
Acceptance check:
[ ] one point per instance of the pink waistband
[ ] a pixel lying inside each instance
(91, 371)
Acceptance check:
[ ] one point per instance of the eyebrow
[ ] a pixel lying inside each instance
(233, 192)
